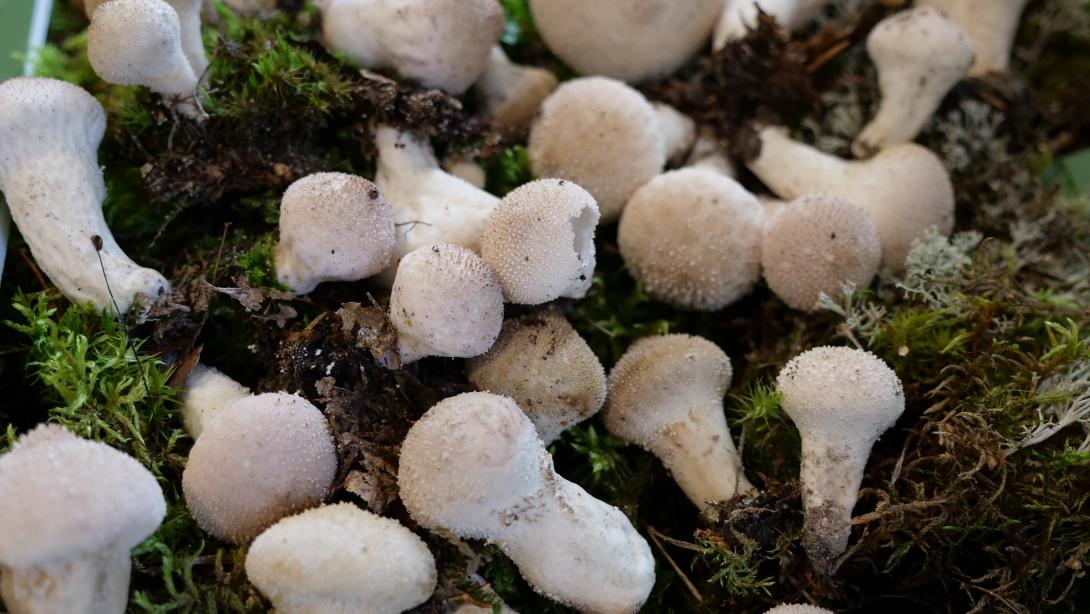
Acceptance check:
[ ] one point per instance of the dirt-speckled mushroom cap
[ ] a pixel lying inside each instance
(540, 241)
(631, 40)
(139, 42)
(66, 497)
(816, 245)
(340, 559)
(798, 608)
(542, 363)
(207, 391)
(446, 301)
(333, 227)
(262, 458)
(601, 134)
(692, 237)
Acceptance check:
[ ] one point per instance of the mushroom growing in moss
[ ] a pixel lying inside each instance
(206, 393)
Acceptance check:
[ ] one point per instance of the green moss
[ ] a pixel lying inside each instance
(259, 262)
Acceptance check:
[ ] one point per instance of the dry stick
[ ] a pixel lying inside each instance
(893, 509)
(96, 241)
(654, 533)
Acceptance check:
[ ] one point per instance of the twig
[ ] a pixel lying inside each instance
(893, 509)
(655, 535)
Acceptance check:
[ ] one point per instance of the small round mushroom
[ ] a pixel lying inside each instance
(633, 40)
(339, 559)
(740, 16)
(262, 458)
(798, 608)
(512, 94)
(992, 26)
(71, 511)
(446, 301)
(815, 246)
(601, 134)
(440, 43)
(547, 368)
(692, 237)
(904, 189)
(920, 55)
(678, 131)
(841, 400)
(139, 42)
(49, 136)
(474, 465)
(540, 241)
(666, 396)
(333, 227)
(206, 392)
(189, 20)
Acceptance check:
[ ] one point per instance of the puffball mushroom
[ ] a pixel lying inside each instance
(666, 396)
(992, 26)
(429, 205)
(633, 40)
(841, 400)
(678, 131)
(189, 20)
(920, 55)
(815, 246)
(474, 465)
(339, 559)
(547, 368)
(49, 136)
(206, 392)
(540, 241)
(740, 16)
(446, 301)
(260, 459)
(692, 237)
(512, 94)
(72, 510)
(444, 44)
(139, 42)
(333, 227)
(601, 134)
(904, 189)
(788, 608)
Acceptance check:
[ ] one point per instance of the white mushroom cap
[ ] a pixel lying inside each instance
(666, 396)
(207, 391)
(816, 245)
(920, 54)
(788, 608)
(547, 368)
(633, 40)
(512, 94)
(740, 16)
(601, 134)
(333, 227)
(440, 43)
(446, 301)
(473, 464)
(692, 237)
(841, 400)
(678, 131)
(339, 559)
(262, 458)
(540, 241)
(991, 24)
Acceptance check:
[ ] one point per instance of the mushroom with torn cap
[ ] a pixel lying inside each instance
(740, 16)
(262, 458)
(540, 241)
(601, 134)
(841, 400)
(692, 237)
(474, 465)
(206, 392)
(333, 227)
(339, 559)
(50, 131)
(547, 368)
(71, 512)
(666, 396)
(512, 94)
(992, 26)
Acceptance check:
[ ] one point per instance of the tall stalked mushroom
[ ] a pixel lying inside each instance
(547, 368)
(49, 136)
(991, 24)
(440, 43)
(692, 237)
(920, 54)
(666, 396)
(260, 459)
(740, 16)
(71, 511)
(633, 40)
(339, 559)
(512, 94)
(474, 465)
(841, 400)
(904, 189)
(446, 301)
(333, 227)
(601, 134)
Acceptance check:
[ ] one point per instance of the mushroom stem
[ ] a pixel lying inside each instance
(96, 582)
(189, 18)
(790, 168)
(991, 24)
(513, 93)
(830, 490)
